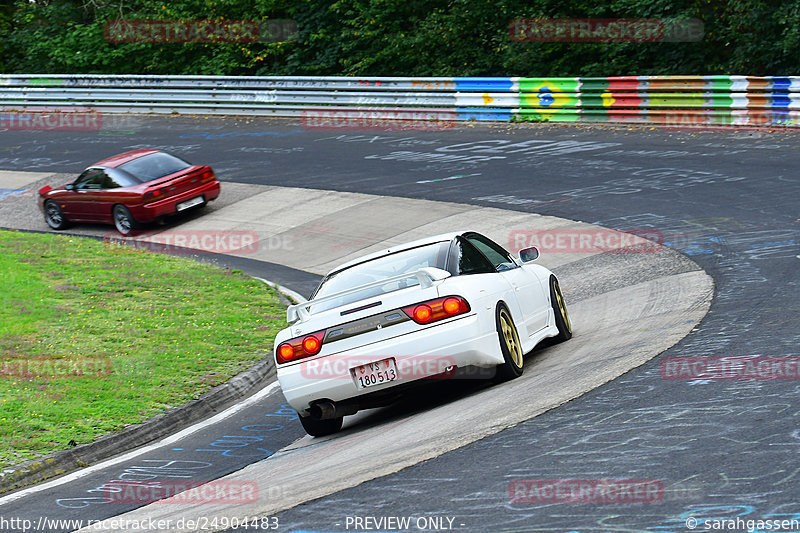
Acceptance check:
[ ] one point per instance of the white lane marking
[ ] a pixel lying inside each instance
(297, 297)
(456, 177)
(263, 393)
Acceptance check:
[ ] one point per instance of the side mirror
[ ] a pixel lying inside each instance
(70, 187)
(527, 255)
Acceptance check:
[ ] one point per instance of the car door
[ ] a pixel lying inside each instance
(110, 193)
(86, 192)
(530, 296)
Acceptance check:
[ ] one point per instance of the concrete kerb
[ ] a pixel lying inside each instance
(294, 297)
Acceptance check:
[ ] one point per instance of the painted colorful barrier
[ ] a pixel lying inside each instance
(661, 100)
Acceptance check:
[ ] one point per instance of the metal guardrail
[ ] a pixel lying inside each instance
(666, 100)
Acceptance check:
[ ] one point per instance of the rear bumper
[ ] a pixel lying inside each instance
(167, 206)
(419, 355)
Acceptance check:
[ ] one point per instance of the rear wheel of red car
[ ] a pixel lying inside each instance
(123, 220)
(509, 345)
(320, 428)
(54, 216)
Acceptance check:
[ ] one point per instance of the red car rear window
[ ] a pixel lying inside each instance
(154, 166)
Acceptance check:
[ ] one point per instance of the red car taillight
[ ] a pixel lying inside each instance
(207, 176)
(152, 196)
(300, 347)
(439, 309)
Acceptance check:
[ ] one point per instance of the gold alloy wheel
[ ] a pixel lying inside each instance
(511, 338)
(563, 308)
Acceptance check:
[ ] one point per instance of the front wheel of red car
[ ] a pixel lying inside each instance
(54, 216)
(123, 220)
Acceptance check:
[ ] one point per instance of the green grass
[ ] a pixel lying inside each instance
(95, 336)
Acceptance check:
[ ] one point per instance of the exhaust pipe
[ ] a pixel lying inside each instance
(327, 410)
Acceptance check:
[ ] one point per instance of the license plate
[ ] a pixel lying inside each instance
(373, 374)
(197, 200)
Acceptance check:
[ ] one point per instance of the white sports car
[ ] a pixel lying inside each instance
(427, 309)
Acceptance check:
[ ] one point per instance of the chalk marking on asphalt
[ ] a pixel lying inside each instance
(456, 177)
(263, 393)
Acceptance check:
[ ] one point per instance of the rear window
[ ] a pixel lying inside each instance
(154, 166)
(407, 261)
(116, 177)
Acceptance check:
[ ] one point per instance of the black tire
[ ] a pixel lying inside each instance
(123, 220)
(560, 312)
(54, 216)
(509, 345)
(320, 428)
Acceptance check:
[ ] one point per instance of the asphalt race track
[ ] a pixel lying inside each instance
(727, 200)
(635, 306)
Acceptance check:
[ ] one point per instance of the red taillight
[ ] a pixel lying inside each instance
(452, 306)
(422, 313)
(286, 351)
(311, 345)
(152, 196)
(439, 309)
(300, 347)
(207, 176)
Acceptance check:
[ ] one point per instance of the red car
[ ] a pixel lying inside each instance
(128, 190)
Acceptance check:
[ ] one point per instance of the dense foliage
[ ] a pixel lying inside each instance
(400, 38)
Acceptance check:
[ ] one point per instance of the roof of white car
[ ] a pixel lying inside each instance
(421, 242)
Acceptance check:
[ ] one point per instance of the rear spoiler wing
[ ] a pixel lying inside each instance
(425, 276)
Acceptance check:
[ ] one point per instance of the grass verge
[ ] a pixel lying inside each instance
(95, 336)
